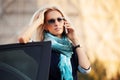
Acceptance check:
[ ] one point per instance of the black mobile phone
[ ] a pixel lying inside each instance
(65, 29)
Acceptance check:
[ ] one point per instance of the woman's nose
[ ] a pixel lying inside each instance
(56, 22)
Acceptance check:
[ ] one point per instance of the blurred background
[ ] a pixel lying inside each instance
(96, 20)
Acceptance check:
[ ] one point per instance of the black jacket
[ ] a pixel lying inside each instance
(54, 73)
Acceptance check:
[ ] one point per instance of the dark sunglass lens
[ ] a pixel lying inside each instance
(59, 19)
(51, 21)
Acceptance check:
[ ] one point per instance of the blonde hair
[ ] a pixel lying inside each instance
(39, 33)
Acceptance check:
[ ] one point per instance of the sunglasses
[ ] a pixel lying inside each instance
(52, 21)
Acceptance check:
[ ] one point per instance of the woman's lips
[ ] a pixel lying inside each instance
(57, 29)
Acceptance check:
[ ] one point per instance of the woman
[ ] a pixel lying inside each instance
(67, 57)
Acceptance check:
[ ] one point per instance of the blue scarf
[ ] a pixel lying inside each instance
(64, 47)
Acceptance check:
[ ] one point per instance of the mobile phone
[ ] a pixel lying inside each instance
(65, 29)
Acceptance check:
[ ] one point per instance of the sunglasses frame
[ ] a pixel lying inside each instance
(52, 21)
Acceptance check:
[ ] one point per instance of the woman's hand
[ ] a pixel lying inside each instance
(72, 35)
